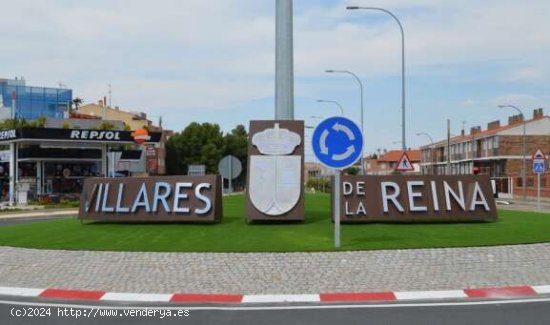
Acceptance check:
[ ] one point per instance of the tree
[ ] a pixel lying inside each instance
(353, 170)
(77, 101)
(197, 144)
(205, 144)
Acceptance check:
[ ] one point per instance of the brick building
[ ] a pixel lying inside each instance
(386, 163)
(496, 151)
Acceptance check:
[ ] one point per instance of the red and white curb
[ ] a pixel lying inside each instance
(388, 296)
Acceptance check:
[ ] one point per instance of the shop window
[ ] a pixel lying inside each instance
(519, 182)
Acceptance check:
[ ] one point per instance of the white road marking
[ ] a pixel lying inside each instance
(280, 298)
(436, 294)
(144, 297)
(541, 289)
(26, 292)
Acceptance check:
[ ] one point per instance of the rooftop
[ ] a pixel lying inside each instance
(493, 127)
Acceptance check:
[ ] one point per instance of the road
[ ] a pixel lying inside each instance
(15, 221)
(530, 311)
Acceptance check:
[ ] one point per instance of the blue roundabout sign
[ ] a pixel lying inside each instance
(337, 142)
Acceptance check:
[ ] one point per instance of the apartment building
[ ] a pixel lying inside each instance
(496, 151)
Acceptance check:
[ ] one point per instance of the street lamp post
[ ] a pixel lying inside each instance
(403, 138)
(361, 89)
(524, 167)
(334, 102)
(431, 149)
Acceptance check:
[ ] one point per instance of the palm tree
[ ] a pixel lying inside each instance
(77, 101)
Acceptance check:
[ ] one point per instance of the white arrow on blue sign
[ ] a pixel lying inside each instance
(538, 166)
(337, 142)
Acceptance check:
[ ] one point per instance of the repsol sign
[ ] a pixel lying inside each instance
(416, 198)
(94, 135)
(154, 199)
(8, 134)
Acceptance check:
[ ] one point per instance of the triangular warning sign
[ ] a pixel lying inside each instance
(539, 155)
(404, 164)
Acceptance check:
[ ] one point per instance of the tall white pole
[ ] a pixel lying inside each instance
(13, 170)
(284, 67)
(360, 83)
(448, 147)
(403, 133)
(337, 208)
(538, 191)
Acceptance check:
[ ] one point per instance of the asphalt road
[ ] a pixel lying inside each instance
(14, 221)
(531, 311)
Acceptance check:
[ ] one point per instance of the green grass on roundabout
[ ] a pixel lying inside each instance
(315, 234)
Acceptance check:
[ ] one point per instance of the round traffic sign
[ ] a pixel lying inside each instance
(337, 142)
(230, 167)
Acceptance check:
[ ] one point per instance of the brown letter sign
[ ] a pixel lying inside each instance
(416, 198)
(153, 199)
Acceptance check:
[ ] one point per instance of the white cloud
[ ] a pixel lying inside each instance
(469, 102)
(520, 100)
(529, 75)
(192, 54)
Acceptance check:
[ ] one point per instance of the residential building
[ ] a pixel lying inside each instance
(132, 119)
(496, 151)
(315, 170)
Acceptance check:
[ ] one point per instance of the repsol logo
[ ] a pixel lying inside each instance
(7, 135)
(95, 135)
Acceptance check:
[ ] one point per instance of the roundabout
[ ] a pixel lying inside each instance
(314, 234)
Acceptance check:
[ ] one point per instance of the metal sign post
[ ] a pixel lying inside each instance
(538, 191)
(337, 208)
(538, 168)
(230, 168)
(337, 143)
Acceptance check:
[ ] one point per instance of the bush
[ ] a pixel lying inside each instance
(319, 184)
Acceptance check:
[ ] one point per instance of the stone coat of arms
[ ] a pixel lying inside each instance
(275, 174)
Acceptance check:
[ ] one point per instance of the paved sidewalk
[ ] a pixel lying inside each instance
(277, 273)
(529, 205)
(39, 213)
(274, 273)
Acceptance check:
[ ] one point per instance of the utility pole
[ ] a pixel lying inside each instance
(448, 147)
(284, 66)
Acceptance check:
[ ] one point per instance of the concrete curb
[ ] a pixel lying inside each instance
(195, 298)
(39, 214)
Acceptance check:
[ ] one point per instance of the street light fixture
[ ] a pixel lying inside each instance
(362, 129)
(431, 149)
(402, 65)
(524, 167)
(334, 102)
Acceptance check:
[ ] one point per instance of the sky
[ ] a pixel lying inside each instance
(214, 61)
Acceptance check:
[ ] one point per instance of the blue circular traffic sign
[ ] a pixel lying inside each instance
(337, 142)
